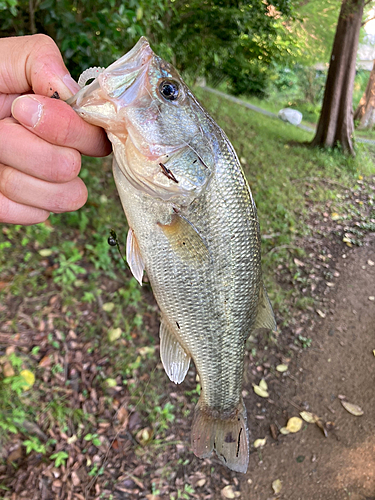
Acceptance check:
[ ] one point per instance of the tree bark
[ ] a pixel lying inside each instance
(32, 17)
(336, 124)
(365, 112)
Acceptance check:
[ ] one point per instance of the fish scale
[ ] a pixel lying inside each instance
(193, 229)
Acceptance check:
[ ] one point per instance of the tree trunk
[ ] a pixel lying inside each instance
(365, 113)
(32, 17)
(336, 125)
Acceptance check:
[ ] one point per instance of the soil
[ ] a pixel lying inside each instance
(342, 363)
(328, 347)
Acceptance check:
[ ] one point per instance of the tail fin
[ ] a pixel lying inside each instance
(227, 436)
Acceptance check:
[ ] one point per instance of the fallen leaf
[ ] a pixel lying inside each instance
(259, 443)
(298, 263)
(284, 431)
(72, 439)
(114, 333)
(8, 370)
(276, 486)
(75, 479)
(45, 252)
(273, 430)
(29, 378)
(347, 241)
(282, 368)
(294, 424)
(263, 384)
(229, 492)
(123, 417)
(335, 216)
(308, 417)
(200, 482)
(352, 408)
(111, 382)
(108, 307)
(45, 361)
(260, 392)
(322, 427)
(14, 455)
(10, 350)
(145, 435)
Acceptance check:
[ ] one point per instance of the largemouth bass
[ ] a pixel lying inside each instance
(193, 228)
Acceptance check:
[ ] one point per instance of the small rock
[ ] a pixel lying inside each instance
(290, 115)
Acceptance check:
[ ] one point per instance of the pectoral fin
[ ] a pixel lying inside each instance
(185, 240)
(174, 358)
(133, 256)
(265, 317)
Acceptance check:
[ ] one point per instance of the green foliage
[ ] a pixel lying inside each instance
(68, 270)
(316, 29)
(59, 458)
(13, 410)
(305, 341)
(93, 438)
(162, 417)
(184, 494)
(217, 39)
(34, 444)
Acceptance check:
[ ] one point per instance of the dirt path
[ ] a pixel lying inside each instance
(340, 363)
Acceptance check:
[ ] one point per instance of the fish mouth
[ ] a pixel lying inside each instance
(115, 87)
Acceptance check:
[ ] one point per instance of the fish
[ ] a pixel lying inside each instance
(193, 228)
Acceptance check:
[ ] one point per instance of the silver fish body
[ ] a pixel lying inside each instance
(193, 228)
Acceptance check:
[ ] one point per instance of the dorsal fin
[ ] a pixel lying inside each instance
(175, 360)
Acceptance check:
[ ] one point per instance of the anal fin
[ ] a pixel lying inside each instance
(265, 317)
(175, 360)
(227, 436)
(133, 256)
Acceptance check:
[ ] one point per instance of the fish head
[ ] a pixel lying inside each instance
(150, 117)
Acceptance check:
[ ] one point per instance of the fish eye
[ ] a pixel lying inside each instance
(169, 89)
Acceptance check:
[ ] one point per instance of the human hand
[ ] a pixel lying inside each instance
(40, 138)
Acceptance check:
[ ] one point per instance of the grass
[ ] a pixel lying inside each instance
(292, 93)
(276, 161)
(56, 275)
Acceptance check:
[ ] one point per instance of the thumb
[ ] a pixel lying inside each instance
(34, 63)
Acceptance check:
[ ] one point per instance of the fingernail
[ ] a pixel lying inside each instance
(71, 84)
(27, 110)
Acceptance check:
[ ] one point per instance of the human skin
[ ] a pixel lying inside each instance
(41, 139)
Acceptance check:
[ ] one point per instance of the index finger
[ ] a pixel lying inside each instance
(34, 63)
(57, 123)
